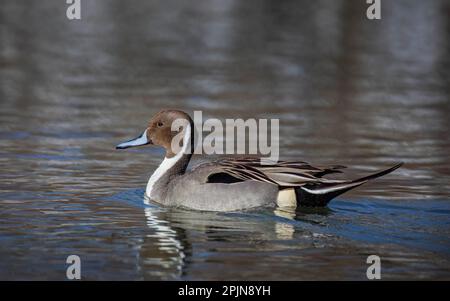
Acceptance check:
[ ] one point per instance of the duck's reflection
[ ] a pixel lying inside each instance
(166, 249)
(285, 230)
(163, 251)
(311, 216)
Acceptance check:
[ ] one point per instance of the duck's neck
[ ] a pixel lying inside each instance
(159, 181)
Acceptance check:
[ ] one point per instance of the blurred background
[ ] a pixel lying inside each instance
(347, 90)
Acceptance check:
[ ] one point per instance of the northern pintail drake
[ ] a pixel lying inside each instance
(233, 184)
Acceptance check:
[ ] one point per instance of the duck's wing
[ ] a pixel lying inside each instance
(309, 186)
(284, 174)
(229, 171)
(281, 173)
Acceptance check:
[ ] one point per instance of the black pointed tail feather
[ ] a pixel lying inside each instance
(319, 195)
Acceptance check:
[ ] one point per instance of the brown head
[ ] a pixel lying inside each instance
(166, 129)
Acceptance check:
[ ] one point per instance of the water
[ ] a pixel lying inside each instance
(346, 90)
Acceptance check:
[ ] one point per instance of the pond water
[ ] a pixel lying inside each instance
(347, 90)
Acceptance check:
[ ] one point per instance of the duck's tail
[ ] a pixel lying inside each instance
(319, 195)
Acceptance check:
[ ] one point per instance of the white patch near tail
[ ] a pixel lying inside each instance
(287, 198)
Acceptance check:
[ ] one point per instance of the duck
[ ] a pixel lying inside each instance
(232, 183)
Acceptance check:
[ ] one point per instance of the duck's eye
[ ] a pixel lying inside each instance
(160, 124)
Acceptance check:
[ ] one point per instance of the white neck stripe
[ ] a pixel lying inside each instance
(168, 163)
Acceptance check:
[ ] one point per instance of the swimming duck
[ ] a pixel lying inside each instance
(233, 184)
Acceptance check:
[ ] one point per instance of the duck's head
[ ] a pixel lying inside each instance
(171, 129)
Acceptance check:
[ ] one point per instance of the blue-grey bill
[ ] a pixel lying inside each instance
(138, 141)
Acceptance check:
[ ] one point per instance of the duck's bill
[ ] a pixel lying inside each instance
(138, 141)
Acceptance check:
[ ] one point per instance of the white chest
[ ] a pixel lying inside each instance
(167, 164)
